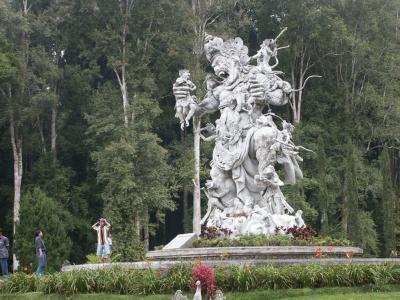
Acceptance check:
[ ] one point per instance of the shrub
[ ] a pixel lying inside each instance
(235, 279)
(176, 278)
(92, 258)
(40, 212)
(271, 240)
(206, 276)
(301, 233)
(212, 232)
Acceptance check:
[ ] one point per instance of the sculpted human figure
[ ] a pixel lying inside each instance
(273, 198)
(287, 153)
(211, 132)
(185, 103)
(221, 191)
(268, 49)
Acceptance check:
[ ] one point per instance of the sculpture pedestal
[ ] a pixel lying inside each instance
(253, 255)
(239, 256)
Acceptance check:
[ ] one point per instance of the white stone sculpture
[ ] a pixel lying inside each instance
(179, 296)
(197, 295)
(218, 295)
(244, 192)
(185, 103)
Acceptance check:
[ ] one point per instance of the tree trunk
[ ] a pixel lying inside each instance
(16, 143)
(345, 216)
(185, 190)
(146, 238)
(124, 93)
(137, 225)
(122, 81)
(196, 188)
(292, 100)
(42, 139)
(299, 82)
(185, 208)
(300, 87)
(54, 131)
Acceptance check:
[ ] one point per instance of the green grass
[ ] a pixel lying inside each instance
(385, 292)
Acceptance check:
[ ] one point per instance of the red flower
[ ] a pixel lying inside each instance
(225, 254)
(318, 252)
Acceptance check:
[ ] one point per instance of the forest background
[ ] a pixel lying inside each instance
(87, 117)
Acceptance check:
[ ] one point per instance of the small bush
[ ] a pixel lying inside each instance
(206, 276)
(212, 232)
(301, 233)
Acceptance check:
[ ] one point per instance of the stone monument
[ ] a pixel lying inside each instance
(251, 142)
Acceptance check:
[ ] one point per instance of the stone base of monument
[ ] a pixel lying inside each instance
(252, 254)
(180, 249)
(180, 252)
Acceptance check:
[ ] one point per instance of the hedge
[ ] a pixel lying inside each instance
(243, 278)
(264, 240)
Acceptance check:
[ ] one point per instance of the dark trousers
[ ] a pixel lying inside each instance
(4, 266)
(41, 264)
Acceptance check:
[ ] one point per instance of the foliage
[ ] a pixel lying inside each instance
(206, 276)
(235, 279)
(212, 232)
(92, 258)
(57, 181)
(272, 240)
(301, 233)
(40, 212)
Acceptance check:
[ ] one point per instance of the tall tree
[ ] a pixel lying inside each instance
(16, 94)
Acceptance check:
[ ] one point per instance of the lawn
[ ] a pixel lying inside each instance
(389, 293)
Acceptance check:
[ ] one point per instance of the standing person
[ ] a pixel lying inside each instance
(103, 245)
(4, 244)
(40, 252)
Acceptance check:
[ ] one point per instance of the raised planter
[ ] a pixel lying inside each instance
(253, 253)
